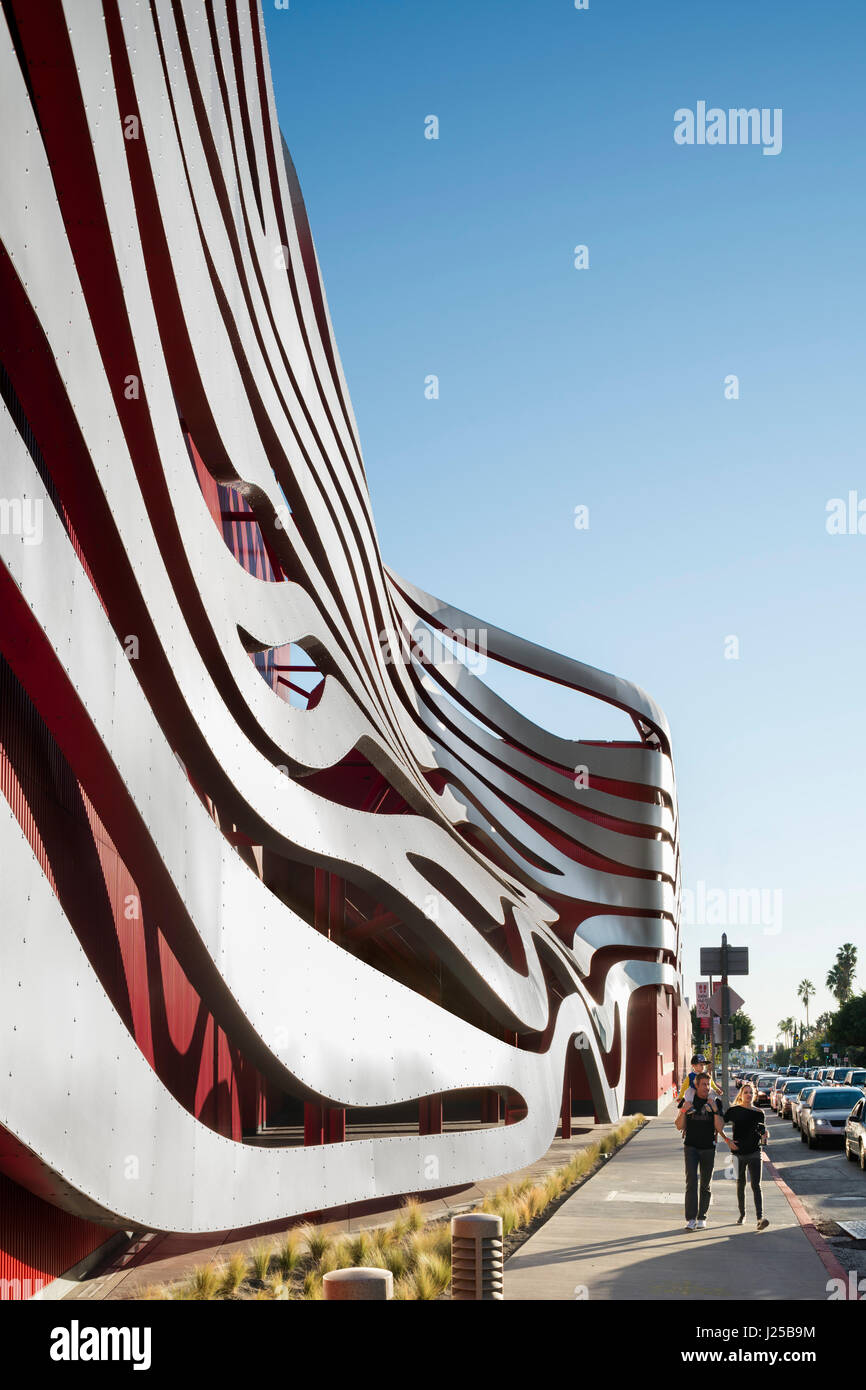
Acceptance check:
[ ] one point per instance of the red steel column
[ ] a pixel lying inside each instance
(314, 1123)
(336, 1125)
(430, 1115)
(565, 1113)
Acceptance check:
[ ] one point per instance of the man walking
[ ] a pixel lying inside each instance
(699, 1122)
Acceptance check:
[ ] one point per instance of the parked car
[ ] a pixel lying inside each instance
(803, 1098)
(777, 1092)
(835, 1075)
(826, 1117)
(855, 1134)
(793, 1087)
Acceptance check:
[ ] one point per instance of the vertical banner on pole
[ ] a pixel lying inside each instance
(702, 998)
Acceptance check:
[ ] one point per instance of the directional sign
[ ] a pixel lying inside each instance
(716, 1001)
(711, 960)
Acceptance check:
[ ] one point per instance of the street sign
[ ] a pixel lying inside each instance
(716, 1001)
(711, 960)
(702, 999)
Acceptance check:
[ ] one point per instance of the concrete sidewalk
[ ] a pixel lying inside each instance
(622, 1236)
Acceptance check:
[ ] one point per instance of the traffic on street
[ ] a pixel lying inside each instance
(816, 1141)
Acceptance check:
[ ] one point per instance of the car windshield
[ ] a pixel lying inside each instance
(795, 1086)
(839, 1099)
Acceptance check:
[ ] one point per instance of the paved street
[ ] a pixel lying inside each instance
(831, 1188)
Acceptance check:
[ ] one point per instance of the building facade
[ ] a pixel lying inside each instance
(297, 912)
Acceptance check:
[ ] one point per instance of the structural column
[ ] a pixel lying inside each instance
(430, 1115)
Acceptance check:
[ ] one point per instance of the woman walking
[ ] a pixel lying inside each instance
(750, 1133)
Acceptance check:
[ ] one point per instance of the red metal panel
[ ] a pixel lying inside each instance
(38, 1241)
(645, 1041)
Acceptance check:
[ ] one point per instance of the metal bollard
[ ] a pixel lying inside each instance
(476, 1257)
(343, 1285)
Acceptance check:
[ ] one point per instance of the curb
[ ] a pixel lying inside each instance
(807, 1226)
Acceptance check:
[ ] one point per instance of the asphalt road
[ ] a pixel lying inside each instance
(830, 1188)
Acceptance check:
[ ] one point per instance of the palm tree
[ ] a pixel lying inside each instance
(786, 1028)
(822, 1023)
(840, 977)
(805, 991)
(846, 963)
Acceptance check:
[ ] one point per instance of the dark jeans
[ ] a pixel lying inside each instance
(698, 1160)
(751, 1164)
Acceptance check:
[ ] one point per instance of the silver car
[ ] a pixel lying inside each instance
(777, 1091)
(793, 1086)
(802, 1099)
(855, 1134)
(826, 1115)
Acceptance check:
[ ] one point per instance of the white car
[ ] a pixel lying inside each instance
(801, 1099)
(855, 1135)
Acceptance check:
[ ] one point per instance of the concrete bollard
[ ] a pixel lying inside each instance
(476, 1257)
(344, 1285)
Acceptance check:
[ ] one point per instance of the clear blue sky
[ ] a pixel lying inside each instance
(605, 386)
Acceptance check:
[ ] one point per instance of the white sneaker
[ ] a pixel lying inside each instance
(690, 1225)
(701, 1225)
